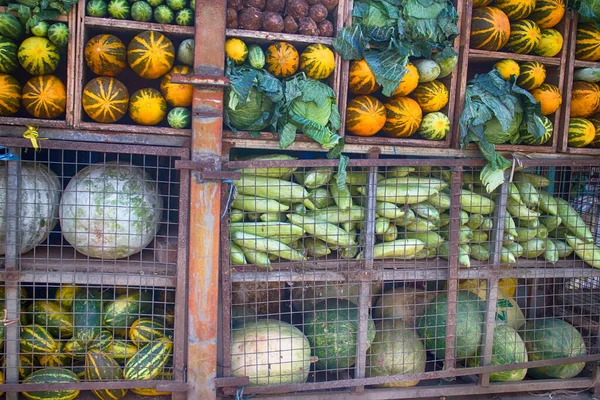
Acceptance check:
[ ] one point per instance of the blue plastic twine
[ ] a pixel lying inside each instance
(8, 156)
(228, 198)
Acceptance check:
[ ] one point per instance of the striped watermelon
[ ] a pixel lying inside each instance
(403, 117)
(39, 199)
(515, 9)
(51, 315)
(110, 210)
(317, 61)
(587, 45)
(10, 96)
(49, 376)
(100, 367)
(548, 13)
(38, 56)
(36, 339)
(581, 132)
(528, 139)
(490, 28)
(525, 35)
(11, 27)
(435, 126)
(149, 361)
(8, 55)
(532, 75)
(146, 330)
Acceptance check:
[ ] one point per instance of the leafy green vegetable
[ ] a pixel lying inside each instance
(589, 10)
(387, 32)
(489, 96)
(31, 12)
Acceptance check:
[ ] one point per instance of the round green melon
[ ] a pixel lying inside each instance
(179, 118)
(8, 56)
(270, 352)
(496, 135)
(58, 34)
(110, 211)
(38, 205)
(97, 8)
(119, 9)
(184, 17)
(507, 348)
(141, 11)
(155, 3)
(434, 126)
(549, 338)
(176, 5)
(163, 15)
(469, 324)
(396, 349)
(40, 29)
(185, 52)
(332, 329)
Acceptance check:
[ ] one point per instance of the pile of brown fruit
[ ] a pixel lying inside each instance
(306, 17)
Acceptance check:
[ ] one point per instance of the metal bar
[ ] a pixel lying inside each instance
(205, 204)
(455, 192)
(492, 283)
(225, 336)
(369, 162)
(123, 384)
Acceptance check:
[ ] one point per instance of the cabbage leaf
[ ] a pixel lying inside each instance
(588, 10)
(387, 32)
(488, 96)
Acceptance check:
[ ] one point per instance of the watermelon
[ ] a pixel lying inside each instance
(58, 34)
(469, 324)
(549, 338)
(163, 15)
(141, 11)
(10, 27)
(38, 205)
(179, 118)
(8, 56)
(48, 376)
(396, 349)
(119, 9)
(185, 52)
(331, 329)
(508, 348)
(434, 126)
(176, 5)
(110, 210)
(184, 17)
(97, 8)
(270, 352)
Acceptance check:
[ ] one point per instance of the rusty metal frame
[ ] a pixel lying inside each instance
(13, 277)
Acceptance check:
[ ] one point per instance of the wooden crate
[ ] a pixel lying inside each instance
(474, 61)
(125, 30)
(65, 72)
(563, 145)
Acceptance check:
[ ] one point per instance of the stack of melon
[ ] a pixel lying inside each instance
(178, 12)
(584, 126)
(518, 26)
(415, 107)
(531, 76)
(42, 94)
(151, 55)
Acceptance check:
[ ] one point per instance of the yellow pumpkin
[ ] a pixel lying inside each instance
(507, 68)
(403, 117)
(150, 54)
(147, 107)
(431, 96)
(409, 81)
(361, 79)
(282, 59)
(44, 96)
(177, 94)
(365, 116)
(317, 61)
(585, 99)
(236, 50)
(549, 98)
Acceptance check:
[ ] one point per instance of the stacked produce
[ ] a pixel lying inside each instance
(279, 89)
(178, 12)
(151, 55)
(518, 26)
(79, 334)
(40, 93)
(305, 17)
(396, 74)
(584, 124)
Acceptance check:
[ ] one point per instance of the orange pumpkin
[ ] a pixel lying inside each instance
(282, 59)
(147, 107)
(365, 116)
(44, 96)
(150, 54)
(403, 117)
(361, 79)
(431, 96)
(585, 99)
(105, 55)
(177, 94)
(10, 95)
(105, 99)
(409, 81)
(549, 98)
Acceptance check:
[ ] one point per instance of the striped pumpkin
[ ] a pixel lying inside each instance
(282, 59)
(45, 96)
(365, 116)
(507, 68)
(431, 96)
(409, 81)
(490, 28)
(361, 79)
(163, 376)
(581, 132)
(524, 36)
(587, 45)
(317, 61)
(105, 55)
(403, 117)
(48, 376)
(38, 56)
(549, 97)
(177, 94)
(10, 95)
(528, 139)
(515, 9)
(147, 107)
(149, 361)
(36, 339)
(101, 367)
(548, 13)
(8, 55)
(481, 3)
(150, 54)
(551, 43)
(595, 120)
(532, 75)
(585, 99)
(145, 330)
(105, 99)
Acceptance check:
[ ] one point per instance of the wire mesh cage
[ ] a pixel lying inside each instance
(94, 246)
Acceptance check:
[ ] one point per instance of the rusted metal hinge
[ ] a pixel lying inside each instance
(201, 80)
(206, 170)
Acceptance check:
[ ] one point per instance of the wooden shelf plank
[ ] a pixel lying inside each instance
(485, 55)
(131, 25)
(271, 37)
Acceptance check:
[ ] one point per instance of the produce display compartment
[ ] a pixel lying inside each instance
(476, 61)
(516, 290)
(124, 30)
(65, 72)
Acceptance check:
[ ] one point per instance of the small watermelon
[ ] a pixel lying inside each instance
(155, 3)
(184, 17)
(185, 52)
(179, 118)
(193, 4)
(97, 8)
(163, 15)
(176, 5)
(10, 27)
(8, 55)
(434, 126)
(119, 9)
(40, 29)
(141, 11)
(59, 34)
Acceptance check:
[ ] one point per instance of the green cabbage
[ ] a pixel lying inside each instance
(496, 135)
(254, 115)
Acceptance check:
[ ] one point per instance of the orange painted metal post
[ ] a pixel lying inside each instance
(205, 205)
